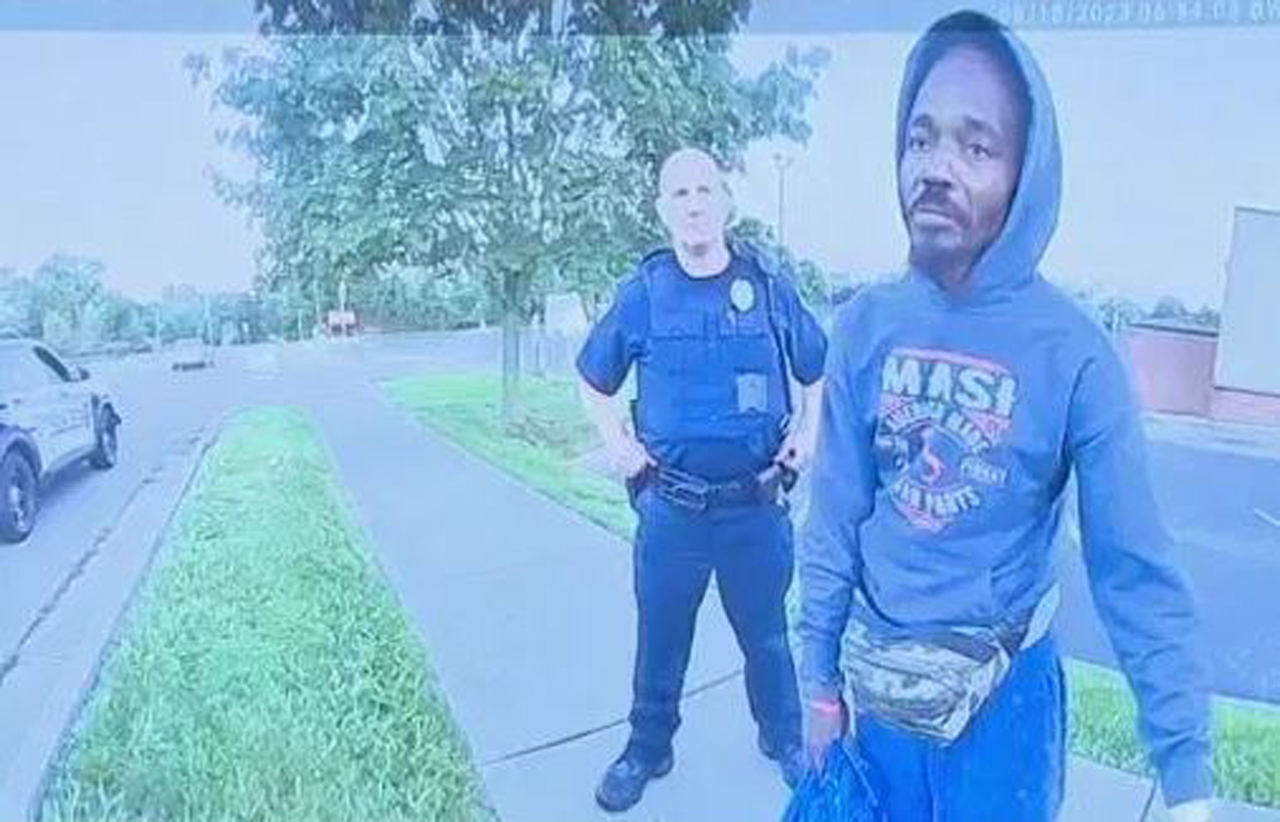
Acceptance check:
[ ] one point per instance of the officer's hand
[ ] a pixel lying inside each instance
(828, 722)
(798, 447)
(629, 457)
(1200, 810)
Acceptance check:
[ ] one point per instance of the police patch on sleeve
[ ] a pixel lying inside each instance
(742, 295)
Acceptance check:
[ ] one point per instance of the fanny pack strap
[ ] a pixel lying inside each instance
(1014, 637)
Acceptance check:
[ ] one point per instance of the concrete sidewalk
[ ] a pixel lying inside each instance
(526, 610)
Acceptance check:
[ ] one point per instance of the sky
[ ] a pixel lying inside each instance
(105, 148)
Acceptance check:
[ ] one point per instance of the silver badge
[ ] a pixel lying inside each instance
(742, 295)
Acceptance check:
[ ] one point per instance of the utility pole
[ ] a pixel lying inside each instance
(315, 301)
(782, 162)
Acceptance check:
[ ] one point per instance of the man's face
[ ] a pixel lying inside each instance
(961, 160)
(692, 201)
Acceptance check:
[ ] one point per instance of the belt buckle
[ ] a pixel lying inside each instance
(684, 490)
(688, 499)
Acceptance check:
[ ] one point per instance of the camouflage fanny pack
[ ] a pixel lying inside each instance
(934, 686)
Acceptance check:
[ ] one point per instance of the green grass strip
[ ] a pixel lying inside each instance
(1104, 716)
(266, 671)
(545, 449)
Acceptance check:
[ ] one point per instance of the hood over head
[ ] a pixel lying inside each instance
(1012, 260)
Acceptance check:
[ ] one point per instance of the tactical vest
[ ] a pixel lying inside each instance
(712, 392)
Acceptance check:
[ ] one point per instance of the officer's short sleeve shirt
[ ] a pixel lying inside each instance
(802, 335)
(617, 339)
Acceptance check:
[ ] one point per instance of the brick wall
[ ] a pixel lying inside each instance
(1173, 370)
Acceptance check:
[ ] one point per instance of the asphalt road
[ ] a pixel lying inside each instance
(1223, 508)
(1217, 507)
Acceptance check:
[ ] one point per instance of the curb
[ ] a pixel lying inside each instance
(63, 658)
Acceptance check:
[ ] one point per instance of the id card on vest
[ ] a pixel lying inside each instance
(753, 392)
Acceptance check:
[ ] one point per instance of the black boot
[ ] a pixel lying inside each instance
(624, 782)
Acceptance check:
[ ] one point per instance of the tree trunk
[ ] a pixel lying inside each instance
(510, 346)
(540, 354)
(539, 334)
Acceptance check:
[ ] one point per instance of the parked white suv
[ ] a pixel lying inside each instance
(51, 416)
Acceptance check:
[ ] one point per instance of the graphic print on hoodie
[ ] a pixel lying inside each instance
(950, 427)
(944, 418)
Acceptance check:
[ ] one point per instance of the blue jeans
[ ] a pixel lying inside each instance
(749, 549)
(1009, 765)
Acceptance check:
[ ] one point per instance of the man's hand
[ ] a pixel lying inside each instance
(1201, 810)
(626, 453)
(828, 722)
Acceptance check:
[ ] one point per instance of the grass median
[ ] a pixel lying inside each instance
(1246, 737)
(265, 670)
(549, 448)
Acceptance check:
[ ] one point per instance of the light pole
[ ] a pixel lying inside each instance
(342, 305)
(782, 162)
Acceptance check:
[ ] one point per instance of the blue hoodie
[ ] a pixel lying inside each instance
(950, 426)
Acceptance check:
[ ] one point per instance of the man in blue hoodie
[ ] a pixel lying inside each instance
(959, 398)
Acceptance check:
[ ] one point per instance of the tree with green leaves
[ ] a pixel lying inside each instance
(511, 144)
(1170, 308)
(65, 289)
(17, 305)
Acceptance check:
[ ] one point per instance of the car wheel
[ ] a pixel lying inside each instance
(107, 451)
(19, 497)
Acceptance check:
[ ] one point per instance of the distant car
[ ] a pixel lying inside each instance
(191, 354)
(52, 415)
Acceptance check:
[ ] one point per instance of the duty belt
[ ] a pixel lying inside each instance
(695, 493)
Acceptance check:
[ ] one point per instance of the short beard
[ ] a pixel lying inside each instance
(947, 267)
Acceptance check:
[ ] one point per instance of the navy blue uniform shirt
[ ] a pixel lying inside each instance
(711, 391)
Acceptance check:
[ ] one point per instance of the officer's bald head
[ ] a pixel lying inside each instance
(684, 164)
(693, 198)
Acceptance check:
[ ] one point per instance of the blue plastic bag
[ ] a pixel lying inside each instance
(842, 792)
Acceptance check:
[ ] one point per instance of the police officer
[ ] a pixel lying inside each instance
(709, 445)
